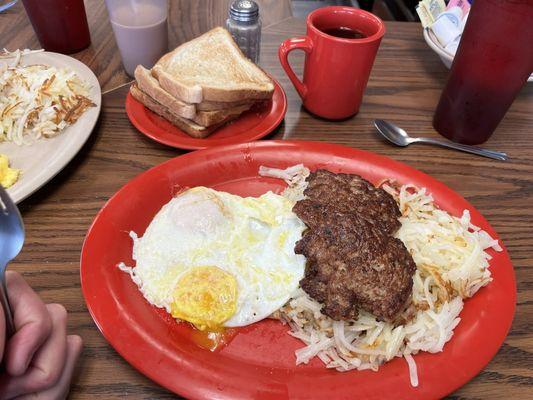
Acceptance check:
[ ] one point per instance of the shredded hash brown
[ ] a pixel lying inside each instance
(38, 100)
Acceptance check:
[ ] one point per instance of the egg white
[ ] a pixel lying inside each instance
(252, 239)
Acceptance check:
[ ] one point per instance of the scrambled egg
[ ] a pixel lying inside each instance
(8, 176)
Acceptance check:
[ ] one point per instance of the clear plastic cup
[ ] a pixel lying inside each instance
(140, 28)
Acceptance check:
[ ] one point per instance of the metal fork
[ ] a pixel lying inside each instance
(11, 241)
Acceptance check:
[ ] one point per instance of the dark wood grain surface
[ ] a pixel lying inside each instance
(404, 87)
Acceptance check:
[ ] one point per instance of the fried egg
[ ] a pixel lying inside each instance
(219, 260)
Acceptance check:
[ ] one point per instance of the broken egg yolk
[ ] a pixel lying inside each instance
(206, 297)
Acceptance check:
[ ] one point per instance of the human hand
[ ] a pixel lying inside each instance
(39, 359)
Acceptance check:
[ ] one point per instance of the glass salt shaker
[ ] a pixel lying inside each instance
(244, 25)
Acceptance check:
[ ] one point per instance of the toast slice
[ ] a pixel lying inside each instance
(221, 105)
(149, 85)
(186, 125)
(212, 68)
(208, 118)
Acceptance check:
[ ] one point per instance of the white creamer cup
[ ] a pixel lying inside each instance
(445, 31)
(453, 45)
(454, 14)
(463, 22)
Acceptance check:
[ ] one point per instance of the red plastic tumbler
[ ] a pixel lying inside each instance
(60, 25)
(494, 60)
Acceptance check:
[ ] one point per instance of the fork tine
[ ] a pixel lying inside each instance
(10, 207)
(6, 200)
(3, 202)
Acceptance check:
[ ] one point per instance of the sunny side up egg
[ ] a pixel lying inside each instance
(219, 260)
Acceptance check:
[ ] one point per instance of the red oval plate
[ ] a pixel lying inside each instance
(253, 124)
(260, 361)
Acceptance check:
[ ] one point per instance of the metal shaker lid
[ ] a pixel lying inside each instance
(244, 10)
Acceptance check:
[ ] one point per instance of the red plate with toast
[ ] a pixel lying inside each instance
(253, 124)
(259, 362)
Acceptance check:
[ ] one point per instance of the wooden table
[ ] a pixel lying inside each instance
(404, 87)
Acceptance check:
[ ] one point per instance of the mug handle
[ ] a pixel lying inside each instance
(303, 43)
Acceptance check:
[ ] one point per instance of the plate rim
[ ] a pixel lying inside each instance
(187, 390)
(134, 119)
(58, 164)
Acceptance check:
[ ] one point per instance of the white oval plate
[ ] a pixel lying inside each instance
(42, 160)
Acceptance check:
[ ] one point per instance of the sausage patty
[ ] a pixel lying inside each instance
(353, 260)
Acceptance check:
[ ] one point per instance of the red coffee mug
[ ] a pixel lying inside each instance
(336, 69)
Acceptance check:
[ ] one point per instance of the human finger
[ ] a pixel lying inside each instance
(61, 389)
(48, 362)
(32, 323)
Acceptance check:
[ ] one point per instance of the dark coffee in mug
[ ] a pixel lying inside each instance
(344, 32)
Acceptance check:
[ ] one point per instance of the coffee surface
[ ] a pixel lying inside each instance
(345, 33)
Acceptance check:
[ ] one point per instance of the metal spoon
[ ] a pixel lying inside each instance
(398, 136)
(11, 241)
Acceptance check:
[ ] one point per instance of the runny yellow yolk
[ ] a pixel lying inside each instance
(8, 176)
(206, 297)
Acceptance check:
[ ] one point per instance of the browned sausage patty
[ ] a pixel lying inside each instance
(353, 260)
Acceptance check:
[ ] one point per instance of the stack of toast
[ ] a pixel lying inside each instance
(202, 84)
